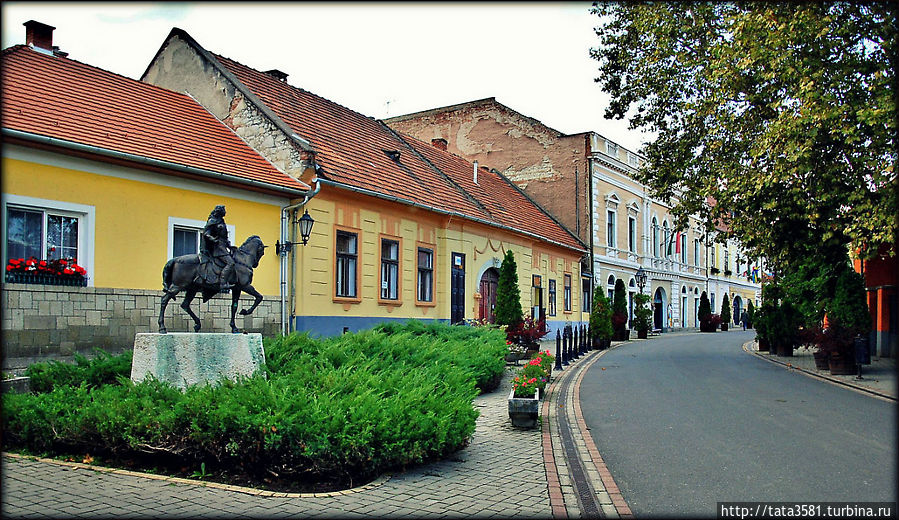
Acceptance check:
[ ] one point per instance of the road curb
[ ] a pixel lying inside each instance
(857, 388)
(557, 497)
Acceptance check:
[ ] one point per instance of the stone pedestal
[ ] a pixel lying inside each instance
(185, 359)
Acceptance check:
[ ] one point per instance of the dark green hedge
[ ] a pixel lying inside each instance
(337, 409)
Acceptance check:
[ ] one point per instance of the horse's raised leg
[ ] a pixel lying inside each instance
(235, 297)
(249, 289)
(188, 298)
(166, 298)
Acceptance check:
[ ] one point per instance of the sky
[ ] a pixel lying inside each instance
(379, 59)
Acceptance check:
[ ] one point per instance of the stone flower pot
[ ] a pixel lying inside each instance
(524, 411)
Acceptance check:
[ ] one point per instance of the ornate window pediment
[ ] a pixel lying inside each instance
(612, 201)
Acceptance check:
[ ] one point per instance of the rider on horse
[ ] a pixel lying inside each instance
(215, 245)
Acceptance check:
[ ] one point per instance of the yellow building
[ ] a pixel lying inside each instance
(403, 229)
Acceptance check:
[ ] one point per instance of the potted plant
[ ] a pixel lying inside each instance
(725, 313)
(642, 315)
(527, 387)
(601, 320)
(762, 334)
(705, 315)
(847, 317)
(750, 314)
(619, 312)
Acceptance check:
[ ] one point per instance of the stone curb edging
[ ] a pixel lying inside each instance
(557, 502)
(215, 485)
(822, 377)
(624, 511)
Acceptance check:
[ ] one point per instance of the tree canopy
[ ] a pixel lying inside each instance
(775, 119)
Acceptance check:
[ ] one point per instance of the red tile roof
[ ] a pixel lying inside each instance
(351, 149)
(67, 100)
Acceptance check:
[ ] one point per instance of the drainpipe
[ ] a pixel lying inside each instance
(286, 220)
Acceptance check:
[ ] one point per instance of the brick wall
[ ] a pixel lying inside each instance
(42, 322)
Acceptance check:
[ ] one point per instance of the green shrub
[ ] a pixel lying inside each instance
(336, 409)
(601, 315)
(103, 369)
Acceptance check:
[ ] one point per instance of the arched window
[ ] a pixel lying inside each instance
(667, 237)
(611, 286)
(655, 237)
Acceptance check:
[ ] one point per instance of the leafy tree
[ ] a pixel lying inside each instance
(508, 296)
(601, 315)
(619, 306)
(725, 310)
(780, 114)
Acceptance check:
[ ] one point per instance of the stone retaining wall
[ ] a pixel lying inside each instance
(42, 322)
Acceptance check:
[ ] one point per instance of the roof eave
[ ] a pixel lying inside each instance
(53, 142)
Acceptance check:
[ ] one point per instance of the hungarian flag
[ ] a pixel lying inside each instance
(677, 244)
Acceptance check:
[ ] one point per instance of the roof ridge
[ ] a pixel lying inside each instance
(301, 89)
(474, 200)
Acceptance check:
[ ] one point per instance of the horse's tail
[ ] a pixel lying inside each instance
(167, 275)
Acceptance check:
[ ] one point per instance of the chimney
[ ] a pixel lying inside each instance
(277, 74)
(476, 172)
(439, 143)
(39, 36)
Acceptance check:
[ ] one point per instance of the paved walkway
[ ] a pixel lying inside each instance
(878, 378)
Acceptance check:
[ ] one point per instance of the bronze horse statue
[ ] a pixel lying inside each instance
(189, 273)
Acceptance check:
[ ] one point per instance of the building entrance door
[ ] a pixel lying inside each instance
(489, 281)
(457, 289)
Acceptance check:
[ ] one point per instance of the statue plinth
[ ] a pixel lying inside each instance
(186, 359)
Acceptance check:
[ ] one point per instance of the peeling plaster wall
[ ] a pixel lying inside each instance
(549, 167)
(180, 68)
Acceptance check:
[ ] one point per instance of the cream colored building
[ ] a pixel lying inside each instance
(586, 181)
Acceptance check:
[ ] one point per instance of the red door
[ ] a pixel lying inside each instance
(488, 294)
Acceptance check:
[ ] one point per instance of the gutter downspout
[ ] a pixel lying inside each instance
(285, 287)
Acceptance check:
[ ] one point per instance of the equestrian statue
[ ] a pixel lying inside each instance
(218, 268)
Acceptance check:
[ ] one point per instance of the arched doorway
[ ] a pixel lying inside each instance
(738, 309)
(659, 301)
(683, 306)
(487, 305)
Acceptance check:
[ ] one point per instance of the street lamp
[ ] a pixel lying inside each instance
(305, 222)
(641, 279)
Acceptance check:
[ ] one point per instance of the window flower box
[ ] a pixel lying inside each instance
(47, 279)
(59, 271)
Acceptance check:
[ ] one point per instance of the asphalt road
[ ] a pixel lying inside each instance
(685, 421)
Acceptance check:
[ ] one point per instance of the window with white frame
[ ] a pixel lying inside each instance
(714, 258)
(552, 297)
(632, 234)
(667, 237)
(683, 248)
(612, 149)
(48, 230)
(566, 295)
(184, 236)
(633, 160)
(655, 237)
(695, 251)
(611, 228)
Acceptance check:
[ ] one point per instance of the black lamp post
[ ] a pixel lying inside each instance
(305, 222)
(641, 279)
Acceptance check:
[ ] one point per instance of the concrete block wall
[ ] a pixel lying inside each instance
(42, 322)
